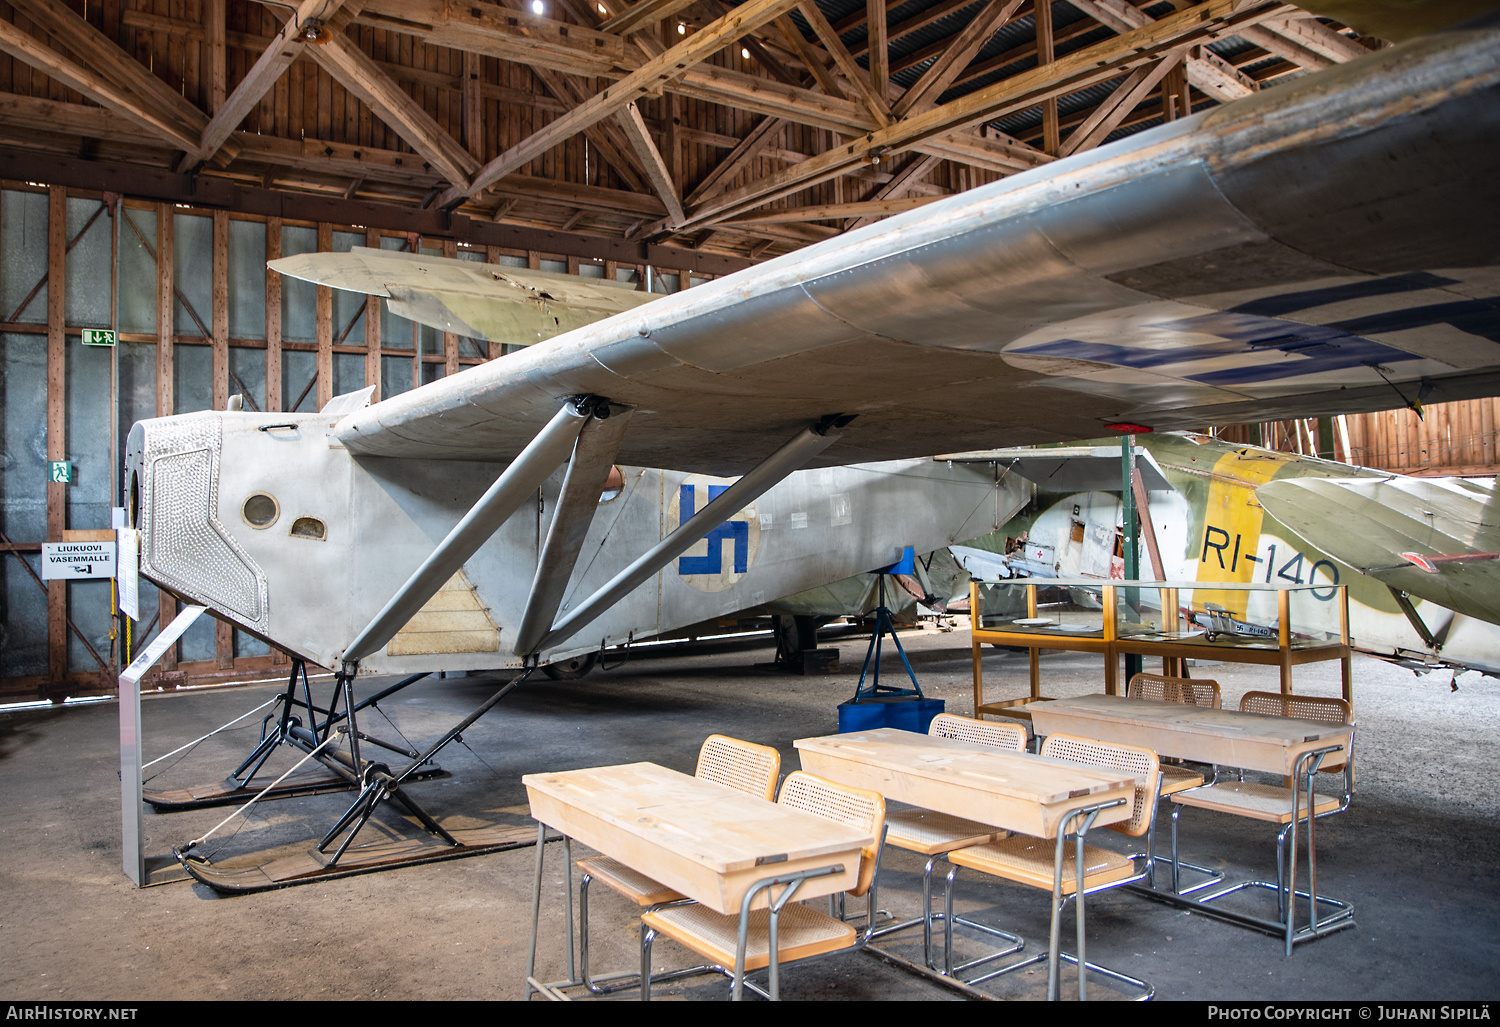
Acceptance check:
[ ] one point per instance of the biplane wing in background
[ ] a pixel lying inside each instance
(1324, 246)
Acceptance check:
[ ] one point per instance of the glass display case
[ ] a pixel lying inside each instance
(1231, 622)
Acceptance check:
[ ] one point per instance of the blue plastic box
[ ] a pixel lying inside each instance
(902, 712)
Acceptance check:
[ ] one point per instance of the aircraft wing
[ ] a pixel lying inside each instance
(1435, 538)
(1071, 468)
(1328, 245)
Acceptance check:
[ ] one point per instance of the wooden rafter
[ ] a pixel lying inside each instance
(856, 75)
(650, 157)
(30, 51)
(342, 58)
(1208, 73)
(894, 190)
(1078, 70)
(962, 49)
(869, 209)
(283, 49)
(651, 75)
(1126, 96)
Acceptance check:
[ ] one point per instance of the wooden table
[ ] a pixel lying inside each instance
(1017, 791)
(709, 842)
(1252, 741)
(1013, 790)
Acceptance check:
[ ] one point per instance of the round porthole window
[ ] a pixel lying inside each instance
(260, 510)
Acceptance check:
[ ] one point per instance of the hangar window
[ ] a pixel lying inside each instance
(260, 510)
(309, 527)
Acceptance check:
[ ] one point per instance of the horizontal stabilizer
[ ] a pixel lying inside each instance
(502, 304)
(1070, 468)
(1434, 538)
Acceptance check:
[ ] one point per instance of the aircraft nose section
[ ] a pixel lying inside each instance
(173, 466)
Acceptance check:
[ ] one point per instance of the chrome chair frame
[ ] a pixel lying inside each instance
(1054, 956)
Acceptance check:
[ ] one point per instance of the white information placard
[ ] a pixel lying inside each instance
(127, 571)
(77, 560)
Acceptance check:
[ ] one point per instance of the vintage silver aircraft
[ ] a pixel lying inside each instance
(1316, 248)
(1418, 554)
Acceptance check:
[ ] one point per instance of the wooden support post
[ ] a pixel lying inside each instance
(1051, 130)
(325, 324)
(372, 325)
(1284, 637)
(450, 340)
(165, 392)
(221, 310)
(57, 426)
(1111, 658)
(223, 630)
(273, 317)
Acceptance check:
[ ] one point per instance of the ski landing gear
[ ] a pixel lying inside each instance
(331, 737)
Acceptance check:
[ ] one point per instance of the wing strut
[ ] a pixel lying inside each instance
(543, 455)
(807, 444)
(588, 471)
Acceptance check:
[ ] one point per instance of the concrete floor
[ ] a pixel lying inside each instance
(1417, 853)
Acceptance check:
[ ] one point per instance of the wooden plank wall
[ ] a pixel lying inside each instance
(1448, 439)
(56, 336)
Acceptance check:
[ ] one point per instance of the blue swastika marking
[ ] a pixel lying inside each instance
(736, 531)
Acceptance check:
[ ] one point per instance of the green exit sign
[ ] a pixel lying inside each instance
(98, 337)
(60, 472)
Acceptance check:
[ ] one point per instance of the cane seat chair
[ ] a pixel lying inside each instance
(1274, 803)
(801, 931)
(1030, 861)
(1269, 802)
(744, 766)
(930, 833)
(1189, 692)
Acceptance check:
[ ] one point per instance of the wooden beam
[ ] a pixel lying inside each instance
(856, 75)
(877, 44)
(962, 49)
(511, 35)
(1132, 89)
(278, 55)
(831, 212)
(651, 160)
(99, 54)
(916, 169)
(123, 102)
(759, 137)
(1315, 37)
(1078, 70)
(650, 76)
(473, 104)
(612, 145)
(810, 56)
(643, 14)
(1051, 134)
(1209, 73)
(217, 53)
(345, 61)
